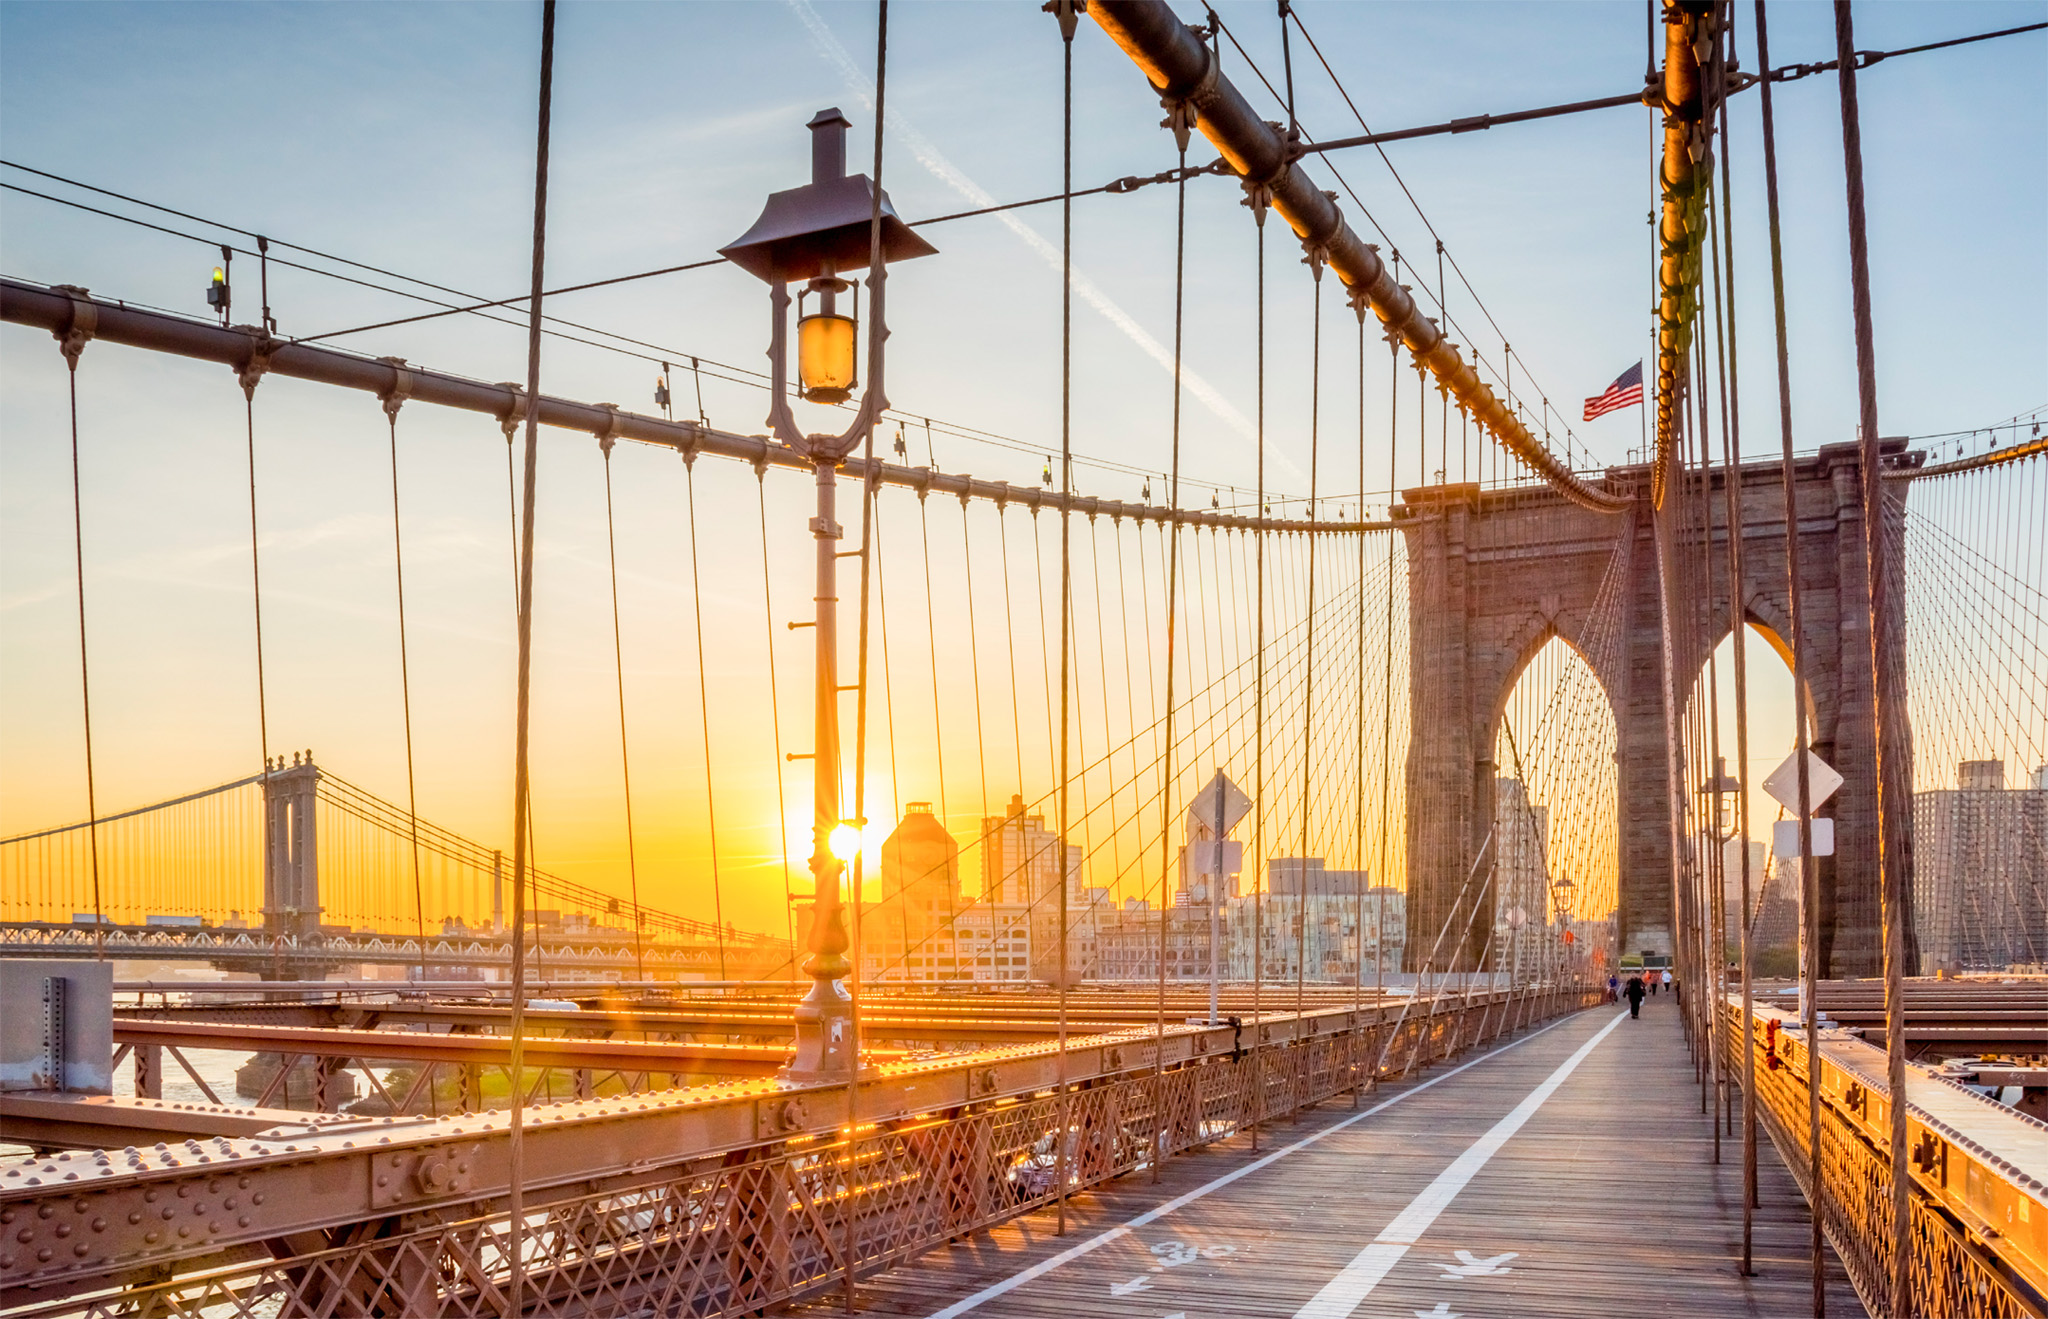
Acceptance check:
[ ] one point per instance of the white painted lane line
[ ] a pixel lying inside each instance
(1103, 1238)
(1344, 1292)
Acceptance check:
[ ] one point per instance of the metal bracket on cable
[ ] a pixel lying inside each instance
(1180, 105)
(1360, 300)
(515, 412)
(84, 323)
(251, 372)
(401, 387)
(1068, 12)
(606, 435)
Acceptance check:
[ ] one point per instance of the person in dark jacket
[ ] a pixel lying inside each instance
(1635, 996)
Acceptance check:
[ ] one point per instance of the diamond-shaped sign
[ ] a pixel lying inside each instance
(1821, 781)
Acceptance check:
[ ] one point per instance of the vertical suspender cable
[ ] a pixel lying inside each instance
(878, 274)
(1308, 681)
(250, 375)
(1894, 855)
(1731, 455)
(1259, 200)
(1181, 119)
(73, 346)
(775, 722)
(611, 549)
(392, 402)
(1359, 305)
(1068, 21)
(1387, 680)
(931, 633)
(1809, 883)
(521, 780)
(703, 717)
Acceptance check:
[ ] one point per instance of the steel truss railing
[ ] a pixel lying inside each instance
(1979, 1225)
(724, 1231)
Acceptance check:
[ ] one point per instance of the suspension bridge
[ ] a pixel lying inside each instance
(1022, 900)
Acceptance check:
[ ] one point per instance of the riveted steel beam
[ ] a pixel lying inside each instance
(56, 308)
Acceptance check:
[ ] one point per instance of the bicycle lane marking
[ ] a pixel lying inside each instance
(1344, 1293)
(1096, 1242)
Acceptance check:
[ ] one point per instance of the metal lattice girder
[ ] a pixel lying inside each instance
(1979, 1204)
(294, 1185)
(715, 1201)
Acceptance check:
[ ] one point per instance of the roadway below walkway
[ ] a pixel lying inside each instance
(1568, 1172)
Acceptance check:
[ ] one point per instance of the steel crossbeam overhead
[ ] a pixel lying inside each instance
(1184, 71)
(64, 309)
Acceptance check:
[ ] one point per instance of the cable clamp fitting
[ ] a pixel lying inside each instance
(1180, 105)
(257, 365)
(1068, 12)
(515, 411)
(607, 432)
(83, 325)
(1360, 300)
(401, 387)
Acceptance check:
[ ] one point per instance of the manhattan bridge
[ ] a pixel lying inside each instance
(1195, 898)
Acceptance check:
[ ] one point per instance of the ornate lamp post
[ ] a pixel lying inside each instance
(810, 234)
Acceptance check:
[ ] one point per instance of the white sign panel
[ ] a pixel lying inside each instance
(1204, 856)
(1821, 781)
(1785, 837)
(1219, 791)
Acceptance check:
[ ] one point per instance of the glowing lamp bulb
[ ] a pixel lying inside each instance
(825, 357)
(845, 841)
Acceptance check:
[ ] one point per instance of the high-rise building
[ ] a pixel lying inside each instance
(1980, 870)
(909, 931)
(1023, 865)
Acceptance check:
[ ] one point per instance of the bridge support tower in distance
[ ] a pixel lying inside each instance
(291, 852)
(1493, 575)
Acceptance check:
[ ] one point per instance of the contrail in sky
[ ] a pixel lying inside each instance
(947, 172)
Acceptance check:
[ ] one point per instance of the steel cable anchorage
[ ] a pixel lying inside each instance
(1185, 72)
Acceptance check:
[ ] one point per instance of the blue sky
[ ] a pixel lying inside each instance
(401, 135)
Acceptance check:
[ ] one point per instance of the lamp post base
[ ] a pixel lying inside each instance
(824, 1035)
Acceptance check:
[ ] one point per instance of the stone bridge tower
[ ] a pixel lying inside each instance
(1493, 575)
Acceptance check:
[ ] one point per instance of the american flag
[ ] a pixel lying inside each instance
(1625, 392)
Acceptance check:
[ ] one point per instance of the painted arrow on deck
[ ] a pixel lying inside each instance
(1443, 1311)
(1475, 1267)
(1126, 1288)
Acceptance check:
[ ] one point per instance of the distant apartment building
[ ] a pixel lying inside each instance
(1333, 925)
(1343, 924)
(1521, 878)
(1980, 863)
(924, 928)
(1774, 910)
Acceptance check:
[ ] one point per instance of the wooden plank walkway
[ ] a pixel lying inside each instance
(1569, 1173)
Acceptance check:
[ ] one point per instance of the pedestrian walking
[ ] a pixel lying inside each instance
(1635, 996)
